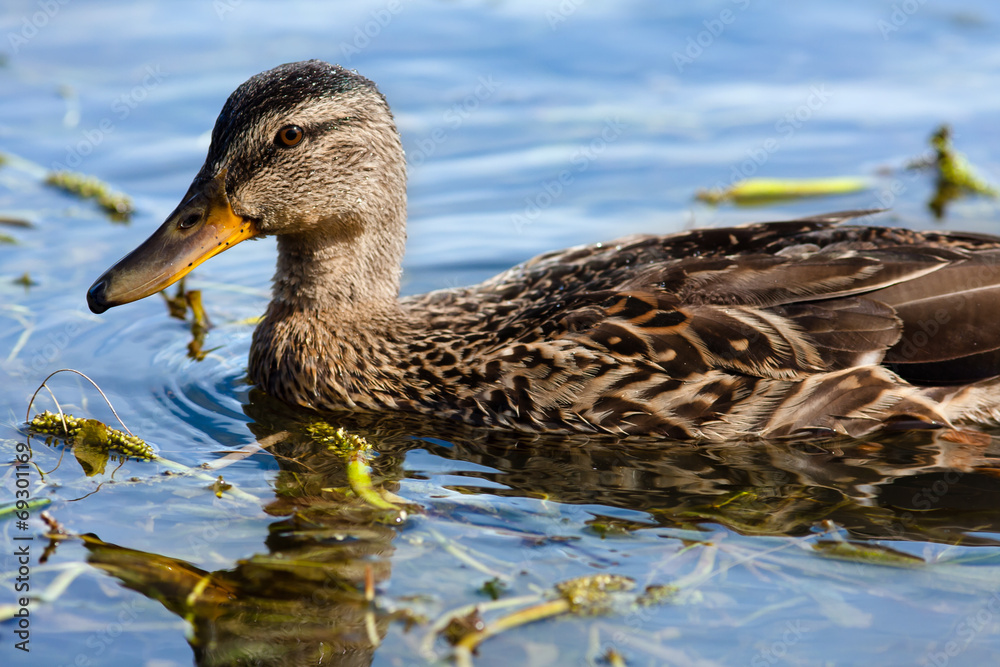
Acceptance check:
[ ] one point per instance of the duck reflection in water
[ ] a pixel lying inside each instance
(304, 600)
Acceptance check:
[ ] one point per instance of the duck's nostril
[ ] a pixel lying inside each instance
(189, 221)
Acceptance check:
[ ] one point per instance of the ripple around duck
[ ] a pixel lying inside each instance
(185, 406)
(208, 396)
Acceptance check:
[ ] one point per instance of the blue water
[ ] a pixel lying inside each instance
(529, 125)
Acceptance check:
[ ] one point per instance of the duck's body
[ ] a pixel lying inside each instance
(765, 330)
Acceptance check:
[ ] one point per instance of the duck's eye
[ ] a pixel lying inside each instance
(289, 135)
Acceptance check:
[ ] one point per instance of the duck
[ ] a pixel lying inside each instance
(812, 327)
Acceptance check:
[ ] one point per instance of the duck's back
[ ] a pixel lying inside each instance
(768, 329)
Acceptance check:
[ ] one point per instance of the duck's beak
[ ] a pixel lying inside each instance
(201, 227)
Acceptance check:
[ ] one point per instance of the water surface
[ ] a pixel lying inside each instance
(643, 103)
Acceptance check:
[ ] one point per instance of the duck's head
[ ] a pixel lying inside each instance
(308, 152)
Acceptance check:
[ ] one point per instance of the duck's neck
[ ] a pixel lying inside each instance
(332, 334)
(337, 274)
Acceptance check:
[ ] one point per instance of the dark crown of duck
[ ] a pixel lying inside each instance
(773, 329)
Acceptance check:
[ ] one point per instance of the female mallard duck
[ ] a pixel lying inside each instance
(772, 329)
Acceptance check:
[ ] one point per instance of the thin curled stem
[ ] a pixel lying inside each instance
(27, 416)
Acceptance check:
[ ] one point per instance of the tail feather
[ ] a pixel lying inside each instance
(977, 402)
(854, 402)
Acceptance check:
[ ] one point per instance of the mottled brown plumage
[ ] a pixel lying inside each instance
(766, 330)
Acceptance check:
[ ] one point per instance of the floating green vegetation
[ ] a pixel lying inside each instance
(219, 486)
(656, 594)
(765, 190)
(7, 510)
(117, 205)
(590, 595)
(11, 221)
(956, 176)
(91, 441)
(91, 433)
(613, 658)
(356, 452)
(607, 526)
(26, 280)
(873, 554)
(494, 588)
(337, 439)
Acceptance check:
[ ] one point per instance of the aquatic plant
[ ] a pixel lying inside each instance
(761, 190)
(116, 204)
(91, 432)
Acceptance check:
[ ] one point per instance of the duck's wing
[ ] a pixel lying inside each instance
(928, 312)
(765, 316)
(797, 296)
(706, 346)
(950, 323)
(607, 266)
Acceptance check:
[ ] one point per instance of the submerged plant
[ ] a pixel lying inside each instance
(115, 204)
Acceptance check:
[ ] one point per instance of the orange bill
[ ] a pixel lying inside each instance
(200, 228)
